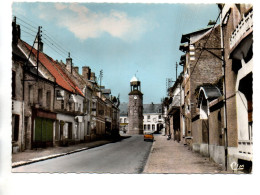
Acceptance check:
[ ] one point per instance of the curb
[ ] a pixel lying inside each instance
(148, 159)
(34, 160)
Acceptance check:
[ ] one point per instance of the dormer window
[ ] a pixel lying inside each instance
(60, 94)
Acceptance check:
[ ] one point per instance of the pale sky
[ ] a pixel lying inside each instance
(121, 39)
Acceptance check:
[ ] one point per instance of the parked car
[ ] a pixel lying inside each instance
(148, 136)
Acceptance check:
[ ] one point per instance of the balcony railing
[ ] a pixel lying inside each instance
(245, 149)
(243, 27)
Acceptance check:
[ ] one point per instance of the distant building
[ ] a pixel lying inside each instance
(153, 119)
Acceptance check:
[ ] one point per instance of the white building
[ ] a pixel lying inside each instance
(153, 118)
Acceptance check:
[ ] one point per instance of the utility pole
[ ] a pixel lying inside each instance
(176, 71)
(38, 46)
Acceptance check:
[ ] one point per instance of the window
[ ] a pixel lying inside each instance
(148, 127)
(125, 120)
(15, 127)
(48, 99)
(76, 106)
(13, 84)
(160, 117)
(40, 96)
(59, 94)
(144, 127)
(148, 116)
(153, 127)
(30, 94)
(62, 104)
(70, 130)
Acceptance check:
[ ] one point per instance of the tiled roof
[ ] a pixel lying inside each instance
(147, 108)
(54, 68)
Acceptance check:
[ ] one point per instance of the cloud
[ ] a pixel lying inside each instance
(60, 6)
(85, 23)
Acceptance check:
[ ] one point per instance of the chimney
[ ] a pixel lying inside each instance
(16, 31)
(86, 72)
(92, 76)
(76, 68)
(69, 63)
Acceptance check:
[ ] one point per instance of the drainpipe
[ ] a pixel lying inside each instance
(224, 89)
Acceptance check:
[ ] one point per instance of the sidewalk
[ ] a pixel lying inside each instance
(168, 156)
(36, 155)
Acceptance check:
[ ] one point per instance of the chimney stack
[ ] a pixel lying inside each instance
(86, 72)
(93, 77)
(69, 63)
(76, 68)
(16, 31)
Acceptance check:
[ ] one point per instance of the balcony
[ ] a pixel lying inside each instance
(244, 27)
(245, 150)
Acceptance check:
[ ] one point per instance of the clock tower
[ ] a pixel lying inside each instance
(135, 108)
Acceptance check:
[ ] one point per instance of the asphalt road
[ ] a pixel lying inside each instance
(126, 156)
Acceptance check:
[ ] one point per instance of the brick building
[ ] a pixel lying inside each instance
(237, 39)
(216, 92)
(200, 67)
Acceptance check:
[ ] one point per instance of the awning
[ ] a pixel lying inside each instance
(209, 92)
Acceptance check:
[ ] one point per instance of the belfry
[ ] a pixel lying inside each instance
(135, 108)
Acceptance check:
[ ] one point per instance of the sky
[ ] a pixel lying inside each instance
(121, 39)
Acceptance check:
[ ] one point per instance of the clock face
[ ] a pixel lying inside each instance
(135, 97)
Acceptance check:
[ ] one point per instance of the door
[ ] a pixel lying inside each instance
(43, 132)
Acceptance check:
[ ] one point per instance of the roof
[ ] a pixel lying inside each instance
(186, 37)
(152, 108)
(54, 68)
(106, 91)
(210, 93)
(147, 108)
(134, 79)
(18, 53)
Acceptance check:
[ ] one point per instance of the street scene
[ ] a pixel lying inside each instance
(132, 88)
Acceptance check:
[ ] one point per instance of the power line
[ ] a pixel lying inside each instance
(200, 54)
(36, 25)
(51, 41)
(54, 50)
(21, 20)
(28, 28)
(28, 33)
(54, 45)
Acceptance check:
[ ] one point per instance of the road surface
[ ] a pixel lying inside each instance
(126, 156)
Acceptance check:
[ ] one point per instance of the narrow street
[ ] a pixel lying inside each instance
(127, 156)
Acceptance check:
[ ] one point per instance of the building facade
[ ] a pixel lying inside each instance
(52, 104)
